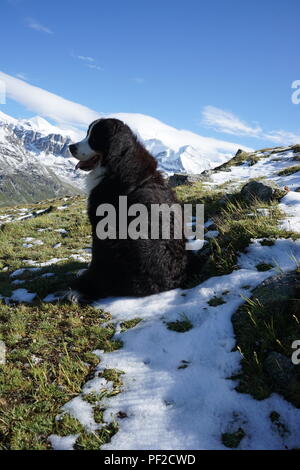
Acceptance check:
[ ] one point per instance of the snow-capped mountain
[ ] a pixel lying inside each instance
(36, 144)
(25, 172)
(178, 150)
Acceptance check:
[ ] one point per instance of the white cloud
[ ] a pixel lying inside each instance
(33, 24)
(228, 123)
(88, 61)
(85, 58)
(95, 67)
(47, 104)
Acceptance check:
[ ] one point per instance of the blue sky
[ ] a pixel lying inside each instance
(222, 68)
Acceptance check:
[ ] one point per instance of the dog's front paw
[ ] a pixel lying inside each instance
(76, 297)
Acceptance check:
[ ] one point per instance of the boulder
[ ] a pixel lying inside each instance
(279, 297)
(179, 179)
(263, 190)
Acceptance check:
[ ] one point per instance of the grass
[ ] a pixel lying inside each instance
(237, 221)
(198, 193)
(264, 267)
(48, 360)
(240, 159)
(232, 440)
(258, 333)
(126, 325)
(215, 301)
(261, 328)
(289, 171)
(180, 326)
(48, 344)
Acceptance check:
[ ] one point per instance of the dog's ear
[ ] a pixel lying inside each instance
(128, 160)
(103, 134)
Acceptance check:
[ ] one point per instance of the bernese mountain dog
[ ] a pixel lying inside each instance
(119, 165)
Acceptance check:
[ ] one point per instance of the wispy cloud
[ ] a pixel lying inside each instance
(228, 123)
(33, 24)
(85, 58)
(64, 112)
(95, 67)
(88, 61)
(68, 114)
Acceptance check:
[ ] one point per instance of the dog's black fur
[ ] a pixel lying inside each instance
(129, 267)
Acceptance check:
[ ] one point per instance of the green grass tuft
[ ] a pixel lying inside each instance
(289, 171)
(180, 326)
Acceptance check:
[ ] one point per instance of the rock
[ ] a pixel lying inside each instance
(279, 298)
(280, 368)
(279, 288)
(182, 178)
(296, 148)
(276, 290)
(264, 191)
(2, 352)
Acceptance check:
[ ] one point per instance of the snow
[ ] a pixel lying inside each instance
(82, 410)
(20, 271)
(162, 412)
(176, 392)
(149, 129)
(290, 204)
(45, 263)
(51, 298)
(63, 443)
(61, 230)
(158, 363)
(176, 150)
(22, 295)
(211, 234)
(33, 242)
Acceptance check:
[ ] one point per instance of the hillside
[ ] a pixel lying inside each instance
(113, 376)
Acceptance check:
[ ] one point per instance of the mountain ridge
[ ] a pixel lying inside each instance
(35, 143)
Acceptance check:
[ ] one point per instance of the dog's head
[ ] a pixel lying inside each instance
(93, 149)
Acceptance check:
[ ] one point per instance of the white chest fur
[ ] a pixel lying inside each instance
(94, 178)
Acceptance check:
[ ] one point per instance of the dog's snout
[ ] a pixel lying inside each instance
(72, 149)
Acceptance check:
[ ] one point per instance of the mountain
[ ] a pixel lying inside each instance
(178, 150)
(33, 166)
(35, 162)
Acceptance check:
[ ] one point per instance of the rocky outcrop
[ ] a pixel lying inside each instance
(261, 327)
(264, 191)
(179, 179)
